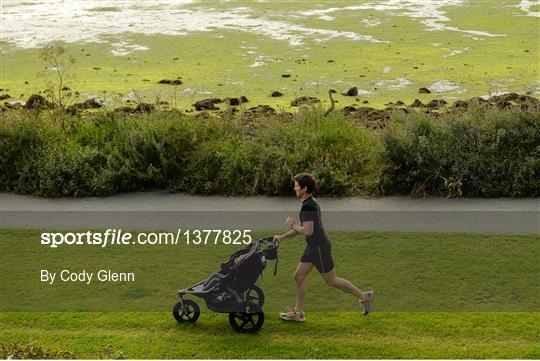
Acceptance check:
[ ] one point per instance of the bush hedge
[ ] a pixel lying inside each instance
(108, 153)
(483, 152)
(479, 152)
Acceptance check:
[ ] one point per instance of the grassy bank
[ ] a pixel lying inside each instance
(336, 335)
(438, 296)
(414, 272)
(481, 151)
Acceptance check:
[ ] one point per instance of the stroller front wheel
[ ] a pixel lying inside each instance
(247, 318)
(187, 311)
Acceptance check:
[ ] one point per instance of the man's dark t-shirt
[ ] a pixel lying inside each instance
(311, 212)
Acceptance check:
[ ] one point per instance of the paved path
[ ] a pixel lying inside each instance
(159, 210)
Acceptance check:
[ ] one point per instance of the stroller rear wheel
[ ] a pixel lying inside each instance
(247, 318)
(255, 294)
(188, 311)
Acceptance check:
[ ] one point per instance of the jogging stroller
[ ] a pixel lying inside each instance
(232, 290)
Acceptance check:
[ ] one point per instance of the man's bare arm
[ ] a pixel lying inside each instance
(289, 234)
(306, 228)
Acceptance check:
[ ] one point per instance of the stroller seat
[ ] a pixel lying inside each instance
(212, 281)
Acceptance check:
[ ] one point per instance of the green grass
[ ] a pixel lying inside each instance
(332, 335)
(206, 60)
(438, 296)
(410, 271)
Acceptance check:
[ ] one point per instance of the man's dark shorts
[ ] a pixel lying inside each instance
(320, 256)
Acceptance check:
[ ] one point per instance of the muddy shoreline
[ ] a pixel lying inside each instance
(373, 117)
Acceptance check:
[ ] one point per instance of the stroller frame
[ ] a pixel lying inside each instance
(232, 290)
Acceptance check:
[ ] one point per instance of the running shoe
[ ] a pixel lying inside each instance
(291, 315)
(367, 304)
(287, 310)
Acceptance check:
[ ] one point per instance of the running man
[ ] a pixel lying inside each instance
(317, 253)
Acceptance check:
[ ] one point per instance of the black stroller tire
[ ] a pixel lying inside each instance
(189, 312)
(248, 318)
(255, 295)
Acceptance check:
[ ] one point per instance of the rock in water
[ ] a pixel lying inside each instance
(304, 100)
(460, 104)
(37, 101)
(207, 104)
(436, 103)
(145, 108)
(417, 104)
(170, 81)
(92, 103)
(234, 101)
(261, 110)
(352, 92)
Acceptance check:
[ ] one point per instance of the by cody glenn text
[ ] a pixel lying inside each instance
(86, 277)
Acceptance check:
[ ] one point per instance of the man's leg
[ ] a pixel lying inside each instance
(300, 276)
(341, 283)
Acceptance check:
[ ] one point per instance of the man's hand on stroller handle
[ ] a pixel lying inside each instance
(277, 239)
(290, 222)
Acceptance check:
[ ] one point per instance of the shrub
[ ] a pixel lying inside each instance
(481, 152)
(487, 152)
(345, 158)
(33, 351)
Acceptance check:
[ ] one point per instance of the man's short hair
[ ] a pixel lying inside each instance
(305, 180)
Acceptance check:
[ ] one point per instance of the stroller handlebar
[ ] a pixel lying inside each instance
(269, 241)
(270, 252)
